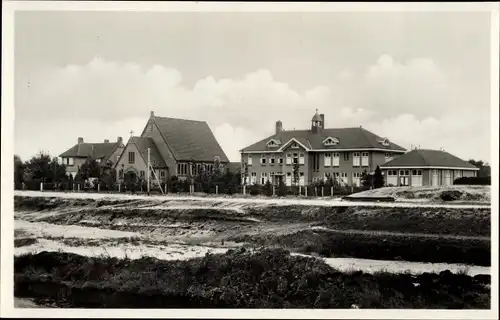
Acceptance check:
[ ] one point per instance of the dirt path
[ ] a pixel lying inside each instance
(265, 201)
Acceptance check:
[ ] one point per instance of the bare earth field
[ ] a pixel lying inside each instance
(72, 246)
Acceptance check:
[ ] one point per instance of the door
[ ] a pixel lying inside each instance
(435, 181)
(288, 179)
(447, 177)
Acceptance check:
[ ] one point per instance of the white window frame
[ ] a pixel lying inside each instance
(327, 160)
(330, 141)
(288, 179)
(294, 145)
(289, 158)
(356, 159)
(263, 159)
(302, 179)
(302, 158)
(335, 159)
(388, 157)
(416, 172)
(295, 156)
(263, 178)
(365, 159)
(280, 160)
(272, 160)
(249, 161)
(253, 177)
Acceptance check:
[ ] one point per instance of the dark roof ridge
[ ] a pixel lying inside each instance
(421, 156)
(170, 118)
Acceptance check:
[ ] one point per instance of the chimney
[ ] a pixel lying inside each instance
(279, 126)
(106, 141)
(119, 140)
(80, 140)
(322, 120)
(152, 114)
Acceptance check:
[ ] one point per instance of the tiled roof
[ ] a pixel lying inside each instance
(83, 150)
(142, 145)
(190, 139)
(349, 138)
(428, 158)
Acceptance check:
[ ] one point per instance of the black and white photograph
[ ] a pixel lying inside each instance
(312, 160)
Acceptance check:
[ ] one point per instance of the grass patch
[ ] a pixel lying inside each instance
(24, 242)
(381, 247)
(237, 279)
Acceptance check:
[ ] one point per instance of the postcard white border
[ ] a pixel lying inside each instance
(7, 131)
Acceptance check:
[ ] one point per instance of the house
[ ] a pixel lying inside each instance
(340, 153)
(423, 167)
(177, 147)
(105, 153)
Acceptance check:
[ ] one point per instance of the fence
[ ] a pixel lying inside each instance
(198, 188)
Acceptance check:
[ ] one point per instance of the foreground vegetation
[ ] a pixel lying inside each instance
(238, 279)
(378, 246)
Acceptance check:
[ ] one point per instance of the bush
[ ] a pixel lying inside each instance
(482, 181)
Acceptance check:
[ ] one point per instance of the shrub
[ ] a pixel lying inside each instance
(483, 181)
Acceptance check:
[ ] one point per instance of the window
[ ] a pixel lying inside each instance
(416, 172)
(392, 172)
(346, 156)
(254, 178)
(404, 172)
(328, 159)
(364, 159)
(142, 173)
(263, 159)
(162, 173)
(273, 143)
(131, 157)
(288, 158)
(120, 173)
(355, 159)
(272, 160)
(69, 161)
(336, 159)
(295, 145)
(301, 179)
(249, 162)
(263, 177)
(458, 173)
(388, 157)
(343, 176)
(182, 169)
(280, 160)
(386, 142)
(288, 179)
(98, 160)
(330, 141)
(301, 158)
(356, 179)
(295, 158)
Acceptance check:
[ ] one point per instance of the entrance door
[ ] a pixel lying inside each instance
(288, 178)
(447, 177)
(435, 178)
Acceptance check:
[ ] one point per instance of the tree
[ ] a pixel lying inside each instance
(378, 178)
(296, 176)
(484, 168)
(245, 173)
(18, 171)
(131, 181)
(89, 169)
(366, 180)
(39, 167)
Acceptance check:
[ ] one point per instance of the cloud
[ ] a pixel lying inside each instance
(412, 102)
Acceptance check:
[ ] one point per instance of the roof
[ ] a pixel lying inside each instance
(349, 138)
(142, 145)
(428, 158)
(316, 117)
(190, 140)
(84, 150)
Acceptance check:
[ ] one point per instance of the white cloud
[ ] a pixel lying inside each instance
(414, 102)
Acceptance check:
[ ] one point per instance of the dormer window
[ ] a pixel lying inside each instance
(273, 143)
(385, 142)
(294, 145)
(331, 141)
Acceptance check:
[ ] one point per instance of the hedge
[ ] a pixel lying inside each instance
(483, 181)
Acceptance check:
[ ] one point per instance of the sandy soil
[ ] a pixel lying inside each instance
(241, 202)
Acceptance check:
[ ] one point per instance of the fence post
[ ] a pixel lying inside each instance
(216, 189)
(274, 190)
(78, 187)
(331, 191)
(98, 187)
(244, 189)
(41, 186)
(305, 191)
(166, 191)
(24, 186)
(300, 190)
(315, 191)
(119, 187)
(322, 191)
(352, 189)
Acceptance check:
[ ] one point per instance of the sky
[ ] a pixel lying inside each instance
(420, 79)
